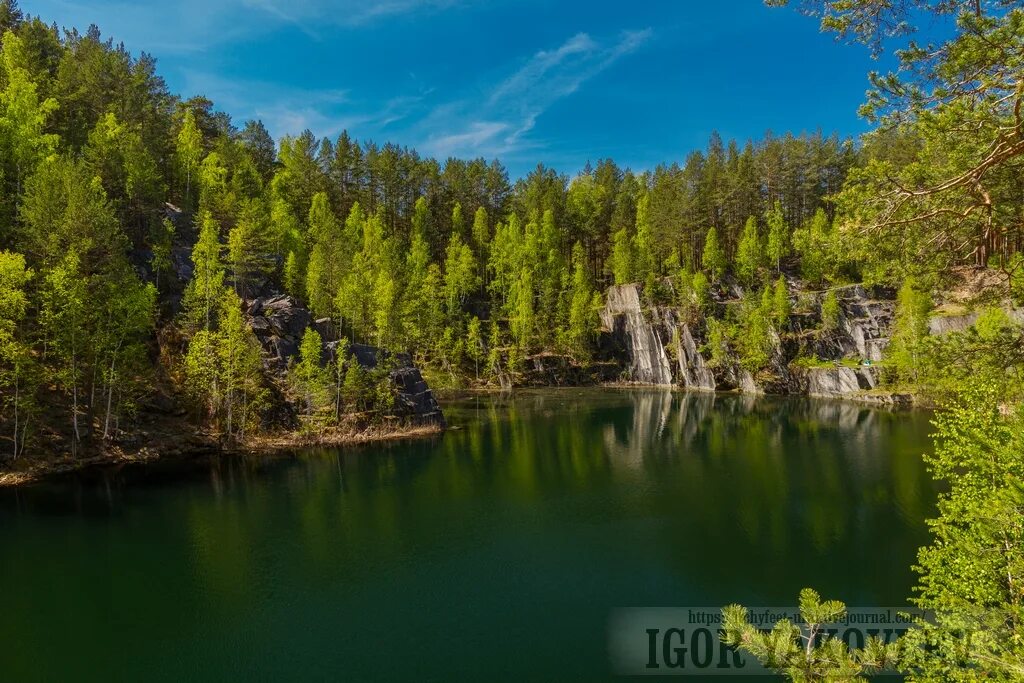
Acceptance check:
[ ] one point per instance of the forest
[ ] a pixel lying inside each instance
(108, 178)
(112, 186)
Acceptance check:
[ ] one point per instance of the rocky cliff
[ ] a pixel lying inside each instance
(662, 348)
(279, 322)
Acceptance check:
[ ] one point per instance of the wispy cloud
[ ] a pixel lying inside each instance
(289, 110)
(197, 24)
(510, 109)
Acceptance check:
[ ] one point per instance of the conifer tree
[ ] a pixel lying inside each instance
(713, 259)
(16, 385)
(644, 267)
(582, 323)
(830, 311)
(189, 151)
(23, 113)
(203, 293)
(749, 253)
(781, 308)
(309, 378)
(778, 236)
(622, 257)
(475, 344)
(65, 323)
(909, 329)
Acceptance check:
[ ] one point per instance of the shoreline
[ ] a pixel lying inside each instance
(200, 444)
(207, 445)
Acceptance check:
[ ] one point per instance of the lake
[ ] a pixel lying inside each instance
(498, 551)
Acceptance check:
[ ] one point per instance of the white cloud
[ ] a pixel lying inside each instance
(499, 124)
(289, 110)
(193, 25)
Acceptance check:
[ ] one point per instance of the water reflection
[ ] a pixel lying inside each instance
(581, 499)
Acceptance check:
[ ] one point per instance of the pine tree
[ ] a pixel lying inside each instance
(778, 235)
(309, 378)
(909, 329)
(644, 241)
(582, 323)
(713, 259)
(460, 277)
(189, 151)
(701, 291)
(830, 311)
(23, 113)
(522, 320)
(64, 320)
(749, 253)
(203, 293)
(16, 377)
(475, 345)
(814, 242)
(622, 257)
(781, 308)
(326, 260)
(240, 370)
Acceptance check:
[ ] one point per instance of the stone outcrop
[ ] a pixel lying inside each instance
(624, 318)
(836, 382)
(280, 321)
(660, 348)
(866, 320)
(693, 371)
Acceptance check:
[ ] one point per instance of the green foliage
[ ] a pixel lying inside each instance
(749, 254)
(816, 245)
(64, 322)
(830, 311)
(781, 308)
(968, 573)
(354, 388)
(622, 257)
(16, 364)
(713, 258)
(806, 651)
(991, 350)
(643, 241)
(583, 318)
(24, 141)
(778, 246)
(701, 291)
(189, 152)
(309, 379)
(719, 343)
(204, 291)
(909, 330)
(475, 348)
(754, 338)
(327, 258)
(460, 273)
(224, 371)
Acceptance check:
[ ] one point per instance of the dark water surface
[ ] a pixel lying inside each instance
(496, 552)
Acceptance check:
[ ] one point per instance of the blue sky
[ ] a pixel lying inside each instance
(529, 81)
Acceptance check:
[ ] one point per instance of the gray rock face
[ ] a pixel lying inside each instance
(280, 321)
(623, 316)
(414, 400)
(866, 321)
(692, 368)
(661, 349)
(944, 324)
(839, 382)
(747, 383)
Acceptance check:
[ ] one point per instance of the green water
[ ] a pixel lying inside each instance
(496, 552)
